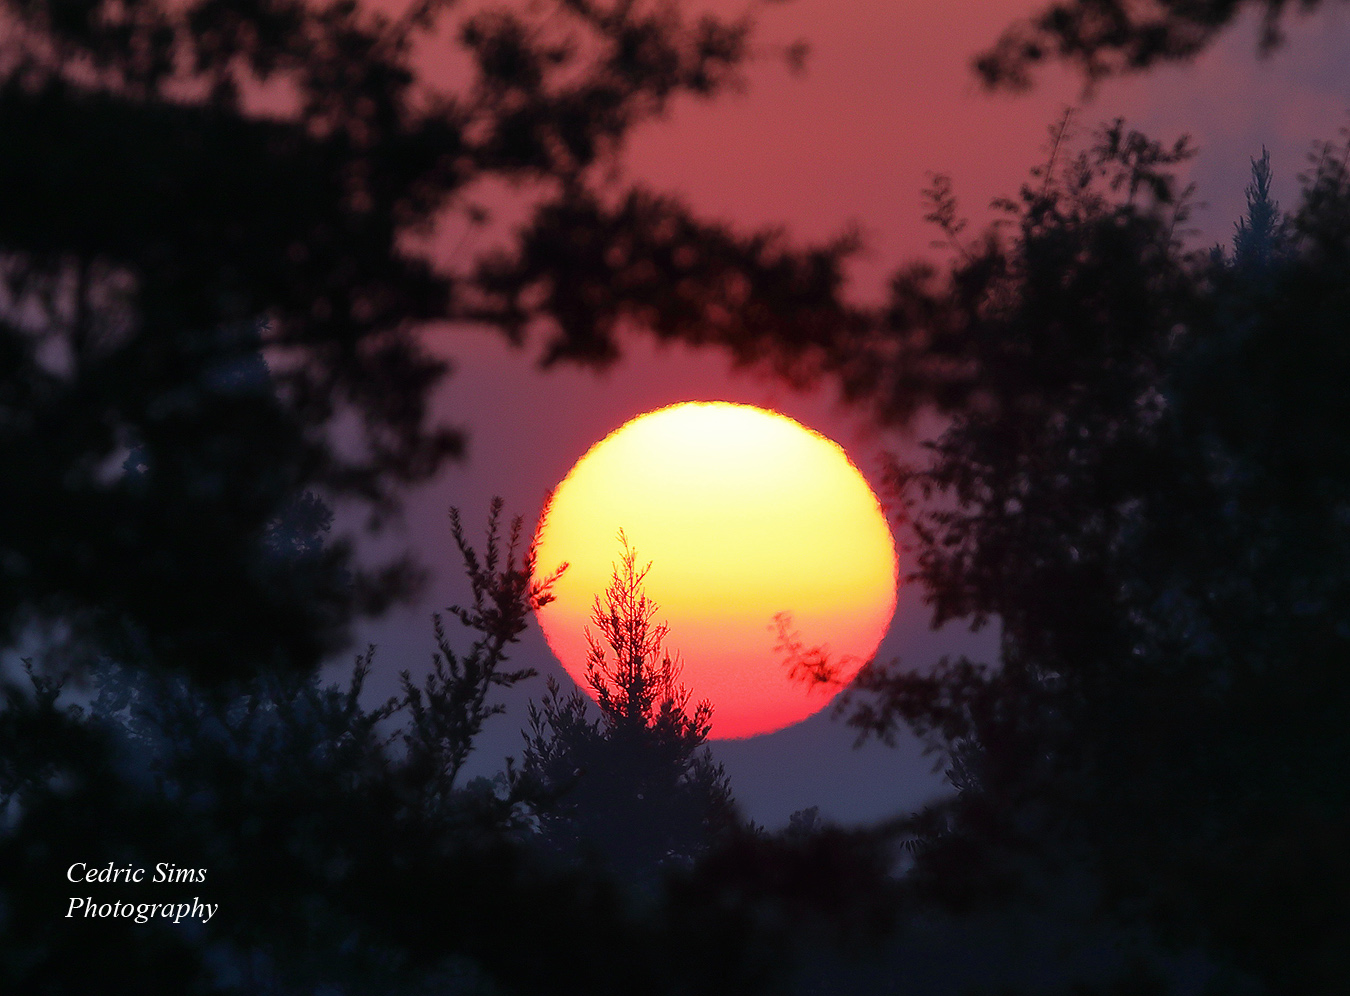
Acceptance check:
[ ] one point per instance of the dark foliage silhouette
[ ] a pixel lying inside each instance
(285, 790)
(635, 786)
(449, 711)
(1260, 239)
(1103, 38)
(644, 262)
(205, 184)
(1142, 483)
(339, 850)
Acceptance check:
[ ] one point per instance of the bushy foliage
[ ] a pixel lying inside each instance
(1102, 38)
(208, 184)
(340, 850)
(449, 710)
(1141, 482)
(290, 795)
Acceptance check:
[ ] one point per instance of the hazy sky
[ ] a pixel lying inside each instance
(887, 98)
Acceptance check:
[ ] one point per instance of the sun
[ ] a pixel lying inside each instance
(756, 528)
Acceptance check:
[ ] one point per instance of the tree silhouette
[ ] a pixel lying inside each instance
(339, 857)
(216, 264)
(635, 785)
(1140, 483)
(1260, 239)
(449, 710)
(1108, 37)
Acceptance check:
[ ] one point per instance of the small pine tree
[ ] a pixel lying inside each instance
(635, 786)
(1260, 236)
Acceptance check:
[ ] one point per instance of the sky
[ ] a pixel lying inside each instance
(887, 99)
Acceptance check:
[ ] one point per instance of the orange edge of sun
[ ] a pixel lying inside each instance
(743, 514)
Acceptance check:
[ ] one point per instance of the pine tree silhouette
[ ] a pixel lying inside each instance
(1260, 236)
(631, 784)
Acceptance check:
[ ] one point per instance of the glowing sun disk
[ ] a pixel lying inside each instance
(743, 514)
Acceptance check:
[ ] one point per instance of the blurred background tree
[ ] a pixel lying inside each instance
(1102, 38)
(214, 263)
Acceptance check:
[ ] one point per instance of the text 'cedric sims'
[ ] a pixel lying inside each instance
(165, 871)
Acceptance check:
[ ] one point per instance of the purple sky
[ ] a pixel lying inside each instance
(887, 98)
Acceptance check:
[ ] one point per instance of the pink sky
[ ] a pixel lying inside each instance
(888, 97)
